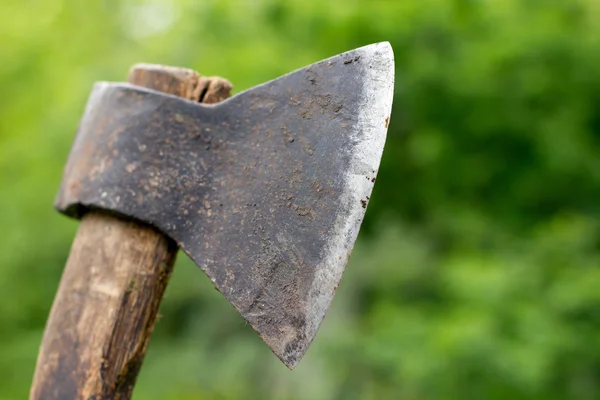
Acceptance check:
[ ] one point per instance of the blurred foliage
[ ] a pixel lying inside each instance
(476, 276)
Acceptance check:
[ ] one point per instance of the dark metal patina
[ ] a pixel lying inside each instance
(249, 188)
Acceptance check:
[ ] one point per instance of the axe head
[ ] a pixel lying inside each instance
(265, 191)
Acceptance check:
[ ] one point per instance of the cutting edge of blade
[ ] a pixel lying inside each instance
(369, 136)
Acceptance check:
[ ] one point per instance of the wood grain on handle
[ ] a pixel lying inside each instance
(112, 285)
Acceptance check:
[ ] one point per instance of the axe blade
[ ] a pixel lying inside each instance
(265, 191)
(309, 173)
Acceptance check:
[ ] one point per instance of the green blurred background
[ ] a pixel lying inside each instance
(476, 275)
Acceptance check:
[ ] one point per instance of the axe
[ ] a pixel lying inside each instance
(265, 191)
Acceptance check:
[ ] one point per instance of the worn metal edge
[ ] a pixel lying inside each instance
(369, 136)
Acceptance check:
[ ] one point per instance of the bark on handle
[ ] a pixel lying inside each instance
(108, 298)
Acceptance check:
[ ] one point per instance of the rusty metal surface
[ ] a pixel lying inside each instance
(264, 191)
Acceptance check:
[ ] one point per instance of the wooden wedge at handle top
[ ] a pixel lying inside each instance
(112, 285)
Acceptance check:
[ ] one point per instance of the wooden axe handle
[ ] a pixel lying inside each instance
(110, 291)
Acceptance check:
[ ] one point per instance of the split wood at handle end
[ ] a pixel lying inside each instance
(112, 285)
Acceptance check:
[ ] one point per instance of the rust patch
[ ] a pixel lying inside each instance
(287, 135)
(351, 60)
